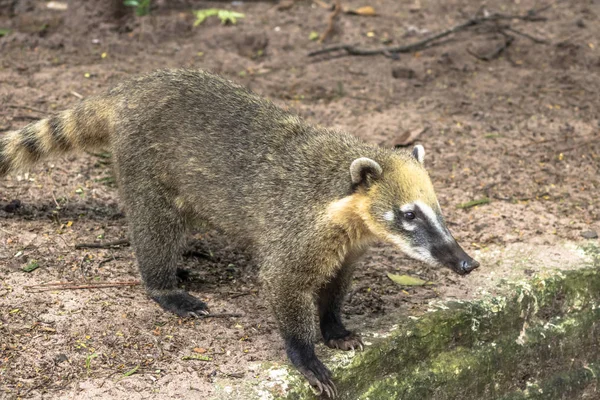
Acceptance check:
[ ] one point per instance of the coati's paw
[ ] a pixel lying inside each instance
(319, 377)
(349, 342)
(302, 355)
(181, 303)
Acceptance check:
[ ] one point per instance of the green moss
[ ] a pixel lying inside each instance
(484, 349)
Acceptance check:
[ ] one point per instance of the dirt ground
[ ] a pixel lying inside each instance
(521, 129)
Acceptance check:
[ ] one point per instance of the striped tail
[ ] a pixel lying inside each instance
(85, 127)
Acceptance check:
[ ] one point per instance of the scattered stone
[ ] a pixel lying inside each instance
(13, 206)
(403, 73)
(590, 234)
(60, 358)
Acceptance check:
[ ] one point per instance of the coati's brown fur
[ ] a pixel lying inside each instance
(190, 146)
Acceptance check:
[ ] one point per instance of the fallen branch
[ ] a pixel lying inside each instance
(107, 245)
(336, 11)
(351, 49)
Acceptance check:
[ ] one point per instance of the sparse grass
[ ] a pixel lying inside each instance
(142, 7)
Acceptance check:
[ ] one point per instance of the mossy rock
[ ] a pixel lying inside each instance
(540, 341)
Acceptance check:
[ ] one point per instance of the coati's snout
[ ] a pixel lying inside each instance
(452, 256)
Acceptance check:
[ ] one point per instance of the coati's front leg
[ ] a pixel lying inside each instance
(158, 234)
(294, 308)
(330, 300)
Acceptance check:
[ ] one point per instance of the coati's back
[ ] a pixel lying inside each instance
(232, 157)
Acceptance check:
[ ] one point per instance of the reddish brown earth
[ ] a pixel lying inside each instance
(521, 129)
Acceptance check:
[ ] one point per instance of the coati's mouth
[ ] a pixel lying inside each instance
(466, 267)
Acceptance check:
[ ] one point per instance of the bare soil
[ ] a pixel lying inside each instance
(521, 129)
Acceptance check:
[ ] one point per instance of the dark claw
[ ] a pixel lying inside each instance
(317, 388)
(302, 355)
(350, 342)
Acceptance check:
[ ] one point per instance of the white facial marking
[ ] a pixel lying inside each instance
(389, 216)
(418, 253)
(433, 219)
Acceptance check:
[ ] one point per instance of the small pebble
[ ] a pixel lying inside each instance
(590, 234)
(403, 73)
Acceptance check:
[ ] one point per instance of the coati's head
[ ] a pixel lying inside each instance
(397, 203)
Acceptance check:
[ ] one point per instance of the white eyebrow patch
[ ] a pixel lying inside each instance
(407, 207)
(389, 216)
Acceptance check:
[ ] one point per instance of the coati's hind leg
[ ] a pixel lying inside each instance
(330, 300)
(158, 234)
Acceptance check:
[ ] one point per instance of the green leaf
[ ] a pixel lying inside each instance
(88, 360)
(131, 3)
(229, 16)
(132, 371)
(314, 35)
(31, 266)
(201, 15)
(4, 32)
(406, 280)
(474, 203)
(224, 15)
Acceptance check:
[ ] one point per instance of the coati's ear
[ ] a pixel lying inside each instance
(419, 153)
(363, 171)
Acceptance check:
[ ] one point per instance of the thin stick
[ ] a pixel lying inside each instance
(27, 108)
(90, 286)
(526, 35)
(421, 44)
(241, 294)
(44, 285)
(336, 11)
(107, 245)
(222, 315)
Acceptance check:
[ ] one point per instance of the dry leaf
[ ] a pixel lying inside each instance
(199, 350)
(285, 5)
(405, 280)
(406, 138)
(367, 11)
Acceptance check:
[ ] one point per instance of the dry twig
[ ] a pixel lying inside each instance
(222, 315)
(37, 110)
(334, 14)
(350, 49)
(45, 287)
(107, 245)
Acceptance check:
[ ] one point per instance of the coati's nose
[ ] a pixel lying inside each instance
(468, 265)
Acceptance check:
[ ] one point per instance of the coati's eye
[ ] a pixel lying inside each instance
(409, 215)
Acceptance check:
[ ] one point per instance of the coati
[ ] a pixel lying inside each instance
(190, 146)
